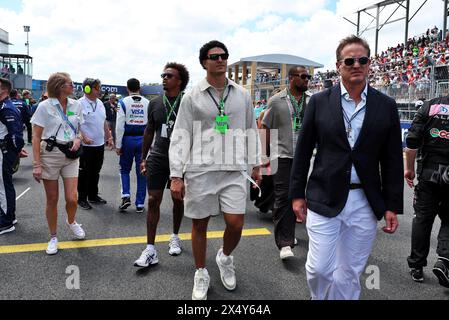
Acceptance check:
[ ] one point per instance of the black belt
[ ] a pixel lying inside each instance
(354, 186)
(133, 134)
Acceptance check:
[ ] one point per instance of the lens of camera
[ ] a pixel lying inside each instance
(445, 175)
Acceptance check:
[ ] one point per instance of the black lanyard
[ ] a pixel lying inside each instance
(349, 120)
(221, 106)
(94, 107)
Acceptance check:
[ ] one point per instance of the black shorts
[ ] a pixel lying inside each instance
(158, 173)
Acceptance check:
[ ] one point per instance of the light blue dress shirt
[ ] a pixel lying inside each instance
(350, 108)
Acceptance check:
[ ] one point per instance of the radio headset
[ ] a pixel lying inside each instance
(88, 85)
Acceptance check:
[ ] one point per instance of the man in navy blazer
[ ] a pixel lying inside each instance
(356, 178)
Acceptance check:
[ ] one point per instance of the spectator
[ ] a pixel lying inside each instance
(111, 114)
(57, 128)
(95, 131)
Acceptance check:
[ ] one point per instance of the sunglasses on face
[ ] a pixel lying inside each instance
(350, 61)
(167, 75)
(303, 76)
(216, 56)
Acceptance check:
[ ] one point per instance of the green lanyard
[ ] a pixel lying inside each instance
(297, 107)
(171, 107)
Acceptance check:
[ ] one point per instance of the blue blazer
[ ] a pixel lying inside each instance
(377, 155)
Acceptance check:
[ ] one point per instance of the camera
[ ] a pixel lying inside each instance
(3, 146)
(441, 176)
(445, 175)
(51, 143)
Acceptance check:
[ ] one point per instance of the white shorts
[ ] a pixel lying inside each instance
(214, 192)
(55, 164)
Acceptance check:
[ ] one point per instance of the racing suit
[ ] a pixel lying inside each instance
(130, 126)
(430, 134)
(11, 143)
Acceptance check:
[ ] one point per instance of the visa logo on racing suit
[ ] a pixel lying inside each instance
(137, 112)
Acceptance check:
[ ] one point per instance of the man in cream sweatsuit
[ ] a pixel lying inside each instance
(214, 142)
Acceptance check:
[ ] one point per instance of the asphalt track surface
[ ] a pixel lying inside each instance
(115, 240)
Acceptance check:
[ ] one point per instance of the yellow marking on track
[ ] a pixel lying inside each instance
(119, 241)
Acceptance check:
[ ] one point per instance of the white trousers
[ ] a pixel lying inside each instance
(339, 249)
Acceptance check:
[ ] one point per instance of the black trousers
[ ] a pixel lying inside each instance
(29, 131)
(430, 200)
(89, 174)
(7, 191)
(283, 216)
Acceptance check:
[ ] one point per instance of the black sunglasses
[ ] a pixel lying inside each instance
(350, 61)
(216, 56)
(302, 76)
(167, 75)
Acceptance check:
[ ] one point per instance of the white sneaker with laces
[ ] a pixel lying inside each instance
(227, 270)
(200, 285)
(78, 232)
(147, 258)
(286, 252)
(52, 247)
(175, 248)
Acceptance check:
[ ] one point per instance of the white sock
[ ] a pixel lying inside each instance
(203, 270)
(150, 247)
(175, 236)
(224, 258)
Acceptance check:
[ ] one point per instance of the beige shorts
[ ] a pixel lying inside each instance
(211, 193)
(55, 164)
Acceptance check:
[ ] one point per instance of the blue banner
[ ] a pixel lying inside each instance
(405, 125)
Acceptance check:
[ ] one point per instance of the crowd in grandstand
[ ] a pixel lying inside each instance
(404, 69)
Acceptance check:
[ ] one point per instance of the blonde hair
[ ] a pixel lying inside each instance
(55, 83)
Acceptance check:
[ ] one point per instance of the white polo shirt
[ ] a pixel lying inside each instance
(94, 114)
(49, 116)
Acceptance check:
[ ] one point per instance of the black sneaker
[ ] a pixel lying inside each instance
(126, 202)
(441, 271)
(97, 200)
(417, 274)
(140, 209)
(84, 204)
(7, 228)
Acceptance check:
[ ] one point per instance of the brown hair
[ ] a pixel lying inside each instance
(6, 84)
(55, 82)
(350, 40)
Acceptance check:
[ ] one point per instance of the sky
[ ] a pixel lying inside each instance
(115, 40)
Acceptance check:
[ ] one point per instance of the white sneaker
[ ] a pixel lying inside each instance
(78, 232)
(286, 252)
(147, 258)
(52, 247)
(200, 285)
(296, 242)
(174, 246)
(227, 270)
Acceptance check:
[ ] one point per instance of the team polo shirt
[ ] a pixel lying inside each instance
(94, 115)
(49, 117)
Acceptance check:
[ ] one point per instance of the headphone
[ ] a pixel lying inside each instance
(89, 84)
